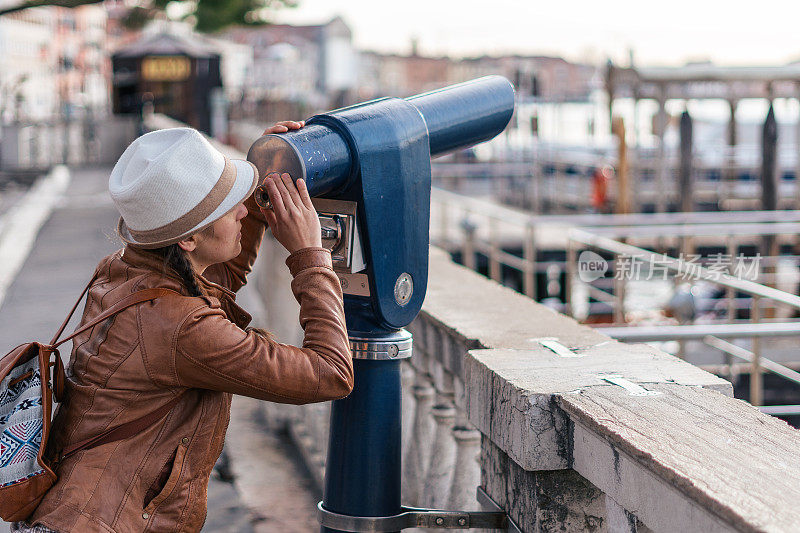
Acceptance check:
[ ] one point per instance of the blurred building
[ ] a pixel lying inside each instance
(299, 70)
(53, 63)
(313, 67)
(236, 64)
(83, 70)
(535, 77)
(27, 65)
(398, 75)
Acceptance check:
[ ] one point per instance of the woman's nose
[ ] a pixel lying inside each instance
(242, 212)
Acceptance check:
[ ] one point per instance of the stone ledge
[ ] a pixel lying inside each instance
(688, 459)
(480, 313)
(492, 343)
(511, 392)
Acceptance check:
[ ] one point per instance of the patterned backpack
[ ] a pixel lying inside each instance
(27, 391)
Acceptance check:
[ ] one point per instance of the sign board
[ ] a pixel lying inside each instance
(166, 68)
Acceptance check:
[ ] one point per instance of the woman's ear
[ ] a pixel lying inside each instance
(188, 244)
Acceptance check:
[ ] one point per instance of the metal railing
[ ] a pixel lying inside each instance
(551, 180)
(472, 227)
(704, 333)
(508, 238)
(38, 146)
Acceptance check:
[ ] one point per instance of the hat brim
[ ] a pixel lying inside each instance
(243, 186)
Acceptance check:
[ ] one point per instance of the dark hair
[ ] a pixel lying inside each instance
(176, 259)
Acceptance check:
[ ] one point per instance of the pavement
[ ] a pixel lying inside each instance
(259, 485)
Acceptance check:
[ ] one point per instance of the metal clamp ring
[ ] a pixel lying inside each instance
(377, 350)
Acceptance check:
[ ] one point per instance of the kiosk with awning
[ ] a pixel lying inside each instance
(176, 73)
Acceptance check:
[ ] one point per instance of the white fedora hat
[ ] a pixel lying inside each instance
(170, 184)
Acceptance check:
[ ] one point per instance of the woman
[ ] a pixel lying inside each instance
(191, 226)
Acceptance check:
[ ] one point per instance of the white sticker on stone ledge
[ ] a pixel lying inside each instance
(634, 389)
(552, 343)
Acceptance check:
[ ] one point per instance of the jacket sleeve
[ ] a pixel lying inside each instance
(211, 352)
(232, 274)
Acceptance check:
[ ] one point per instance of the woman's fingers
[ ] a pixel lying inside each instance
(286, 197)
(293, 219)
(275, 197)
(302, 191)
(291, 124)
(275, 129)
(292, 189)
(272, 222)
(289, 207)
(284, 126)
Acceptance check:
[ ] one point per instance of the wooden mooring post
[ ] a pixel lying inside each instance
(769, 174)
(685, 173)
(729, 174)
(769, 191)
(623, 182)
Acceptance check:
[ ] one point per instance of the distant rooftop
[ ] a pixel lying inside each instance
(280, 33)
(168, 44)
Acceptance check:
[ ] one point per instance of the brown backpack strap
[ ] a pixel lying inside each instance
(133, 427)
(72, 312)
(123, 431)
(132, 299)
(143, 295)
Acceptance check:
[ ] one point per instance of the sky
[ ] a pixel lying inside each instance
(766, 32)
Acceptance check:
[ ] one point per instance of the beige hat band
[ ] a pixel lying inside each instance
(194, 216)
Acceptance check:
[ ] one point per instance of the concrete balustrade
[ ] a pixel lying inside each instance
(407, 384)
(442, 459)
(33, 146)
(466, 473)
(574, 431)
(418, 454)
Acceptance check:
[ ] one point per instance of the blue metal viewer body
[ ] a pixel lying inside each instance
(368, 168)
(377, 154)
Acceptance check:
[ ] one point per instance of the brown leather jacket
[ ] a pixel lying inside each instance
(146, 355)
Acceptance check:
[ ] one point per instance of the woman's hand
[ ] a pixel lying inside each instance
(292, 219)
(284, 126)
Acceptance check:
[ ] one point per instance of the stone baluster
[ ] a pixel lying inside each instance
(418, 453)
(323, 423)
(433, 347)
(467, 472)
(322, 419)
(298, 420)
(439, 472)
(308, 423)
(439, 476)
(407, 384)
(319, 429)
(301, 424)
(275, 417)
(304, 429)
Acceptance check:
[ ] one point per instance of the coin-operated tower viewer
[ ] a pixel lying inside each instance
(368, 168)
